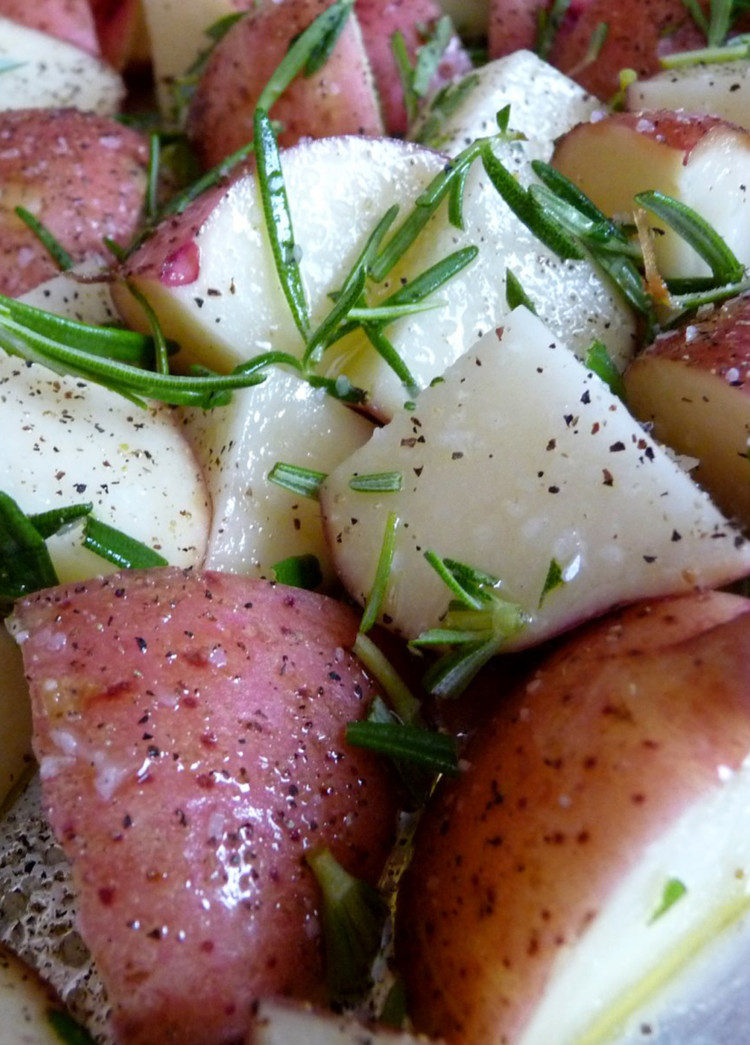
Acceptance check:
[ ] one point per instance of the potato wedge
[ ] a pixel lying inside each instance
(519, 459)
(69, 20)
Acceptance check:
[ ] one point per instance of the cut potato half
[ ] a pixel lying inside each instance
(521, 461)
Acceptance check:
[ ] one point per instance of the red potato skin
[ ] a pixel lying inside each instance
(379, 20)
(639, 33)
(564, 787)
(190, 732)
(82, 175)
(339, 99)
(121, 32)
(720, 343)
(69, 20)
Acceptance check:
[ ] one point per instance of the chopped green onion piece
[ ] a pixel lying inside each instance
(68, 1030)
(674, 890)
(696, 231)
(403, 702)
(599, 361)
(279, 220)
(299, 571)
(302, 481)
(124, 551)
(377, 482)
(353, 916)
(382, 575)
(56, 251)
(420, 747)
(25, 563)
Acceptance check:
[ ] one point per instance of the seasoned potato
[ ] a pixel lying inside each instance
(69, 20)
(82, 175)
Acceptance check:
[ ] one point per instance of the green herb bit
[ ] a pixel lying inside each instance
(377, 482)
(554, 579)
(479, 620)
(309, 51)
(719, 22)
(299, 571)
(389, 355)
(7, 65)
(353, 916)
(416, 779)
(47, 524)
(351, 292)
(152, 182)
(688, 301)
(25, 562)
(56, 251)
(117, 547)
(697, 232)
(547, 230)
(68, 1030)
(183, 87)
(515, 295)
(404, 703)
(430, 54)
(599, 361)
(444, 103)
(405, 71)
(340, 387)
(424, 748)
(427, 282)
(178, 203)
(279, 220)
(596, 42)
(674, 890)
(729, 52)
(115, 343)
(696, 13)
(382, 574)
(548, 24)
(161, 354)
(301, 481)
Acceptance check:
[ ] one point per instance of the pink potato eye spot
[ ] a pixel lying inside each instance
(182, 266)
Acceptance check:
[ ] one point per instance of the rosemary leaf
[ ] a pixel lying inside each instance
(279, 220)
(299, 571)
(377, 482)
(421, 747)
(25, 563)
(56, 251)
(382, 575)
(302, 481)
(119, 548)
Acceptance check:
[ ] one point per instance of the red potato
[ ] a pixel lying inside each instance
(692, 385)
(638, 34)
(591, 786)
(339, 99)
(190, 733)
(69, 20)
(379, 20)
(82, 175)
(700, 160)
(121, 31)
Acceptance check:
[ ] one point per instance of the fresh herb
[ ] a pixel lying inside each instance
(674, 890)
(549, 20)
(299, 571)
(445, 102)
(405, 705)
(424, 748)
(183, 87)
(477, 624)
(301, 481)
(599, 361)
(377, 482)
(7, 65)
(382, 574)
(696, 231)
(25, 562)
(310, 50)
(515, 295)
(68, 1030)
(416, 78)
(353, 916)
(56, 251)
(554, 579)
(125, 552)
(279, 220)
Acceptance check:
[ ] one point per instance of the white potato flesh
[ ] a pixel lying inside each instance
(44, 72)
(257, 523)
(544, 103)
(338, 189)
(83, 300)
(288, 1023)
(25, 1003)
(74, 442)
(518, 458)
(15, 717)
(177, 35)
(668, 971)
(717, 88)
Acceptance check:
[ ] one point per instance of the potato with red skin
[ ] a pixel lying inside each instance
(580, 772)
(692, 385)
(190, 733)
(700, 160)
(69, 20)
(121, 31)
(83, 176)
(414, 19)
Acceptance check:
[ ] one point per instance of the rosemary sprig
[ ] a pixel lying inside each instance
(56, 251)
(305, 482)
(382, 576)
(119, 548)
(415, 745)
